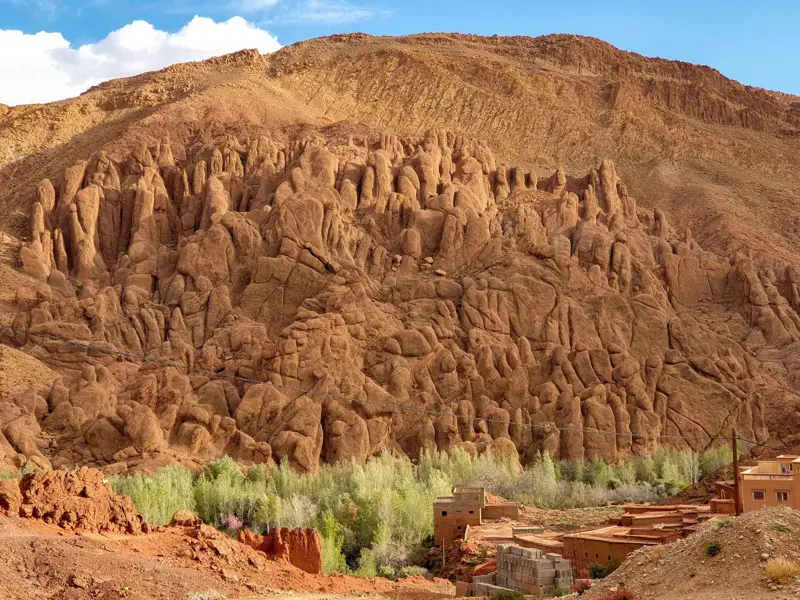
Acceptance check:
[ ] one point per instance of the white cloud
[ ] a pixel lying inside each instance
(44, 67)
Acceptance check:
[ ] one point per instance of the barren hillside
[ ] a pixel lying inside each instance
(354, 238)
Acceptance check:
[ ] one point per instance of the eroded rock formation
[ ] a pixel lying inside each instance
(358, 280)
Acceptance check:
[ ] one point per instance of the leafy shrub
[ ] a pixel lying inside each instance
(332, 534)
(159, 496)
(782, 570)
(581, 586)
(714, 459)
(367, 567)
(508, 595)
(387, 572)
(413, 571)
(231, 524)
(385, 505)
(780, 527)
(599, 571)
(713, 548)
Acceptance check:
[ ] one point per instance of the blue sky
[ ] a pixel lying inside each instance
(757, 44)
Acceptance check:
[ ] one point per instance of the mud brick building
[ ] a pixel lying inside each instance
(468, 506)
(771, 483)
(638, 526)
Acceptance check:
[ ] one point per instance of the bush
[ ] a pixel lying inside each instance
(782, 570)
(413, 571)
(559, 592)
(581, 586)
(724, 523)
(158, 497)
(385, 505)
(599, 571)
(367, 566)
(780, 527)
(714, 459)
(231, 524)
(713, 548)
(508, 595)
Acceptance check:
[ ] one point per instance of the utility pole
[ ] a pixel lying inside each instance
(736, 491)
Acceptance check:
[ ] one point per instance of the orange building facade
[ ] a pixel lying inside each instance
(771, 483)
(453, 515)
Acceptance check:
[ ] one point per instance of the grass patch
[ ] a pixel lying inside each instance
(508, 595)
(713, 548)
(724, 524)
(782, 570)
(780, 527)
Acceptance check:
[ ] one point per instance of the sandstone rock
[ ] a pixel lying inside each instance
(297, 303)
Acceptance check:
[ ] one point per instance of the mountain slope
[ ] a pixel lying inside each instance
(326, 219)
(720, 156)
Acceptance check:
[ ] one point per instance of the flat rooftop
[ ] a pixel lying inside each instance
(613, 534)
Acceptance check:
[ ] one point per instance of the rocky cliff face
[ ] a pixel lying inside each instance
(362, 279)
(245, 257)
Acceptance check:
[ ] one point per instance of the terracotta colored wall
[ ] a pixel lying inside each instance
(770, 488)
(583, 553)
(446, 527)
(501, 511)
(722, 507)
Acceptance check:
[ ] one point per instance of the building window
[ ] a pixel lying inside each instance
(782, 496)
(785, 469)
(587, 554)
(444, 513)
(597, 556)
(609, 558)
(758, 495)
(472, 512)
(459, 526)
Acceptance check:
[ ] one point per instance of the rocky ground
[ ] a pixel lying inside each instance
(685, 570)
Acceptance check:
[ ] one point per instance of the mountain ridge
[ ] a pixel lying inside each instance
(547, 231)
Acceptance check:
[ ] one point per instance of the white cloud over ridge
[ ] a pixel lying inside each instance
(44, 67)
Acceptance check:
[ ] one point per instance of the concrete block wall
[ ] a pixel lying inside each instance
(530, 570)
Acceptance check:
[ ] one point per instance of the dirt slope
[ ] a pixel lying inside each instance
(721, 157)
(684, 570)
(307, 219)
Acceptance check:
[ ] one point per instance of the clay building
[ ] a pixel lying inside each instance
(638, 526)
(468, 506)
(771, 483)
